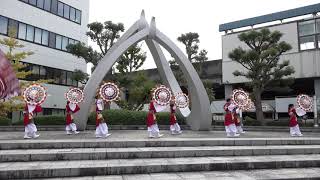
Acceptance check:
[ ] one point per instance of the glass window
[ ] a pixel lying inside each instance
(54, 6)
(50, 73)
(37, 35)
(30, 33)
(45, 37)
(40, 3)
(13, 25)
(306, 28)
(35, 70)
(56, 76)
(64, 43)
(63, 77)
(60, 9)
(47, 5)
(43, 72)
(72, 14)
(33, 2)
(3, 25)
(307, 42)
(69, 78)
(66, 11)
(22, 31)
(75, 83)
(52, 40)
(71, 41)
(78, 16)
(58, 41)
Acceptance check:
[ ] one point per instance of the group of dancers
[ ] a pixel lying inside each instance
(101, 126)
(161, 98)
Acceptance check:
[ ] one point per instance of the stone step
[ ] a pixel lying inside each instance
(44, 169)
(162, 142)
(151, 152)
(266, 174)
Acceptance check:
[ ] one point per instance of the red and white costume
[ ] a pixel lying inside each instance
(229, 124)
(30, 128)
(70, 110)
(236, 120)
(153, 128)
(293, 123)
(101, 125)
(174, 126)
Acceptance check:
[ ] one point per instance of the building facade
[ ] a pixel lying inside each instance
(302, 33)
(46, 27)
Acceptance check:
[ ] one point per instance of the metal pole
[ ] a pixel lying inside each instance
(315, 112)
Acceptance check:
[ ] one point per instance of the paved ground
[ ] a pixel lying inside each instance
(142, 134)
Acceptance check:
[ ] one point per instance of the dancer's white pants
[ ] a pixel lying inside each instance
(71, 127)
(231, 130)
(295, 131)
(30, 130)
(102, 130)
(175, 128)
(154, 130)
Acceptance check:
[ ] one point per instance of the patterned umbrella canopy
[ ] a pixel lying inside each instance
(9, 84)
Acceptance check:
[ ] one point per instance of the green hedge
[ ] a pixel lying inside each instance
(127, 117)
(4, 121)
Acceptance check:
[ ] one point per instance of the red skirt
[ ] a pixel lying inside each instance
(228, 119)
(26, 119)
(151, 119)
(293, 121)
(236, 120)
(173, 119)
(68, 119)
(99, 118)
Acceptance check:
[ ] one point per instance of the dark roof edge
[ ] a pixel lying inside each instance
(311, 9)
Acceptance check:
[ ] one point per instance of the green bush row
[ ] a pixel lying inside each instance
(113, 117)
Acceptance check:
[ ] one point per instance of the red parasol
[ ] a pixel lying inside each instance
(9, 84)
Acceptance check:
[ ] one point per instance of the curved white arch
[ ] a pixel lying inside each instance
(200, 114)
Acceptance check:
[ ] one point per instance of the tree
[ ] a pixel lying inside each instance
(131, 60)
(15, 57)
(191, 42)
(261, 61)
(80, 76)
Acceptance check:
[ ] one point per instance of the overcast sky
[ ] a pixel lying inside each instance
(174, 17)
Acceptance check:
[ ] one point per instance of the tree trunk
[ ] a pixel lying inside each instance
(257, 103)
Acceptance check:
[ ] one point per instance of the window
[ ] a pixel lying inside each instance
(3, 25)
(58, 41)
(40, 3)
(78, 16)
(64, 43)
(43, 72)
(309, 33)
(52, 40)
(69, 78)
(30, 33)
(37, 35)
(45, 37)
(60, 9)
(47, 5)
(72, 14)
(66, 11)
(54, 6)
(71, 41)
(33, 2)
(22, 31)
(13, 25)
(63, 77)
(75, 83)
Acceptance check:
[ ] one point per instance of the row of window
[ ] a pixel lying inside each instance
(34, 34)
(309, 34)
(60, 77)
(58, 8)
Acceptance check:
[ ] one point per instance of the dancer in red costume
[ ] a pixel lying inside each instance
(101, 125)
(30, 128)
(153, 128)
(70, 125)
(229, 124)
(293, 123)
(174, 126)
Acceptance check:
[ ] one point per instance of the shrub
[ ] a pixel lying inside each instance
(248, 121)
(4, 121)
(127, 117)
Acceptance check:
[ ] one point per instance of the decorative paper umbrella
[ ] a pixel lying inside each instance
(9, 84)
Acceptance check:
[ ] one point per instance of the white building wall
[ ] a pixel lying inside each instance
(306, 63)
(47, 56)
